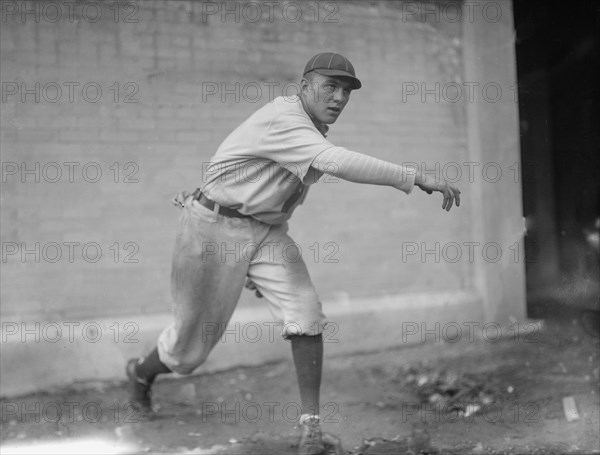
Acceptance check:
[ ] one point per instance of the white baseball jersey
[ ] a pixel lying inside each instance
(264, 167)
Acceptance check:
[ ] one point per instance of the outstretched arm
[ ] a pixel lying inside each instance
(360, 168)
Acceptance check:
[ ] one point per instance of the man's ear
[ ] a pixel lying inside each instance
(304, 85)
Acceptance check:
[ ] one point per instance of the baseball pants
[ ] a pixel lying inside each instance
(213, 256)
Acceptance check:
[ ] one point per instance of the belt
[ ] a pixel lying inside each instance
(210, 205)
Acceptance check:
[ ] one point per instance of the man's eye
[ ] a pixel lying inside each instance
(329, 87)
(347, 92)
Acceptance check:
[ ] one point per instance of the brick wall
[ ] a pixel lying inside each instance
(151, 129)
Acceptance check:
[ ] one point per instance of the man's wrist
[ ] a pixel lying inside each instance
(418, 178)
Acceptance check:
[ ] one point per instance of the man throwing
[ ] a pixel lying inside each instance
(258, 176)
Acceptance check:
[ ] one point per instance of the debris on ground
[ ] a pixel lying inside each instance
(465, 394)
(417, 443)
(333, 444)
(570, 409)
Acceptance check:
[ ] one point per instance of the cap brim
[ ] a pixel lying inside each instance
(356, 84)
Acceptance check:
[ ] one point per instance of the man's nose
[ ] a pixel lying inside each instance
(339, 96)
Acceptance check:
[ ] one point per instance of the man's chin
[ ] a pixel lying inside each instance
(329, 120)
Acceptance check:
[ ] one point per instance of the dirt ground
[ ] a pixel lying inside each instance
(468, 397)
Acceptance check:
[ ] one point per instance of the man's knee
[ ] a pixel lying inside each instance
(295, 329)
(183, 362)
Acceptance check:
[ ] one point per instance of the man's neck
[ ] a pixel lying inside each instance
(322, 127)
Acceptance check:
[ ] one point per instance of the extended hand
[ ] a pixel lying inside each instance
(450, 192)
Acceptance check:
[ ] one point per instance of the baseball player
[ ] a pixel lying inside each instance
(233, 233)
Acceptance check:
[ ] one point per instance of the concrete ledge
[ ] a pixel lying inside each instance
(44, 355)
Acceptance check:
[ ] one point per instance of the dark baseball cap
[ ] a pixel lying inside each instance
(332, 64)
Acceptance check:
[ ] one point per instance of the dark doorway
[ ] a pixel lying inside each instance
(558, 52)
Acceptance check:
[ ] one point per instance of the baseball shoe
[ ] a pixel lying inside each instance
(311, 442)
(139, 390)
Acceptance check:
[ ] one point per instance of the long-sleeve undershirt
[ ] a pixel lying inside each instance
(361, 168)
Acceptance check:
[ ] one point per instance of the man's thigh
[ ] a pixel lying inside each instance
(207, 277)
(281, 276)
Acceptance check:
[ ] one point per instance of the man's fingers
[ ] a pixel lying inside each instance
(179, 200)
(454, 196)
(250, 285)
(448, 199)
(451, 195)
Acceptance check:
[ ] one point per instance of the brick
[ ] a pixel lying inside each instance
(36, 134)
(132, 124)
(118, 135)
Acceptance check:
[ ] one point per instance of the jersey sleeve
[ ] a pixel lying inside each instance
(360, 168)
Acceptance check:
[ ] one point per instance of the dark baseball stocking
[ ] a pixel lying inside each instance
(308, 359)
(151, 367)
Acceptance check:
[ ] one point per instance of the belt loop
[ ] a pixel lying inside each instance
(216, 210)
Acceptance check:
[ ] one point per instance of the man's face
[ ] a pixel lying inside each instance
(326, 96)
